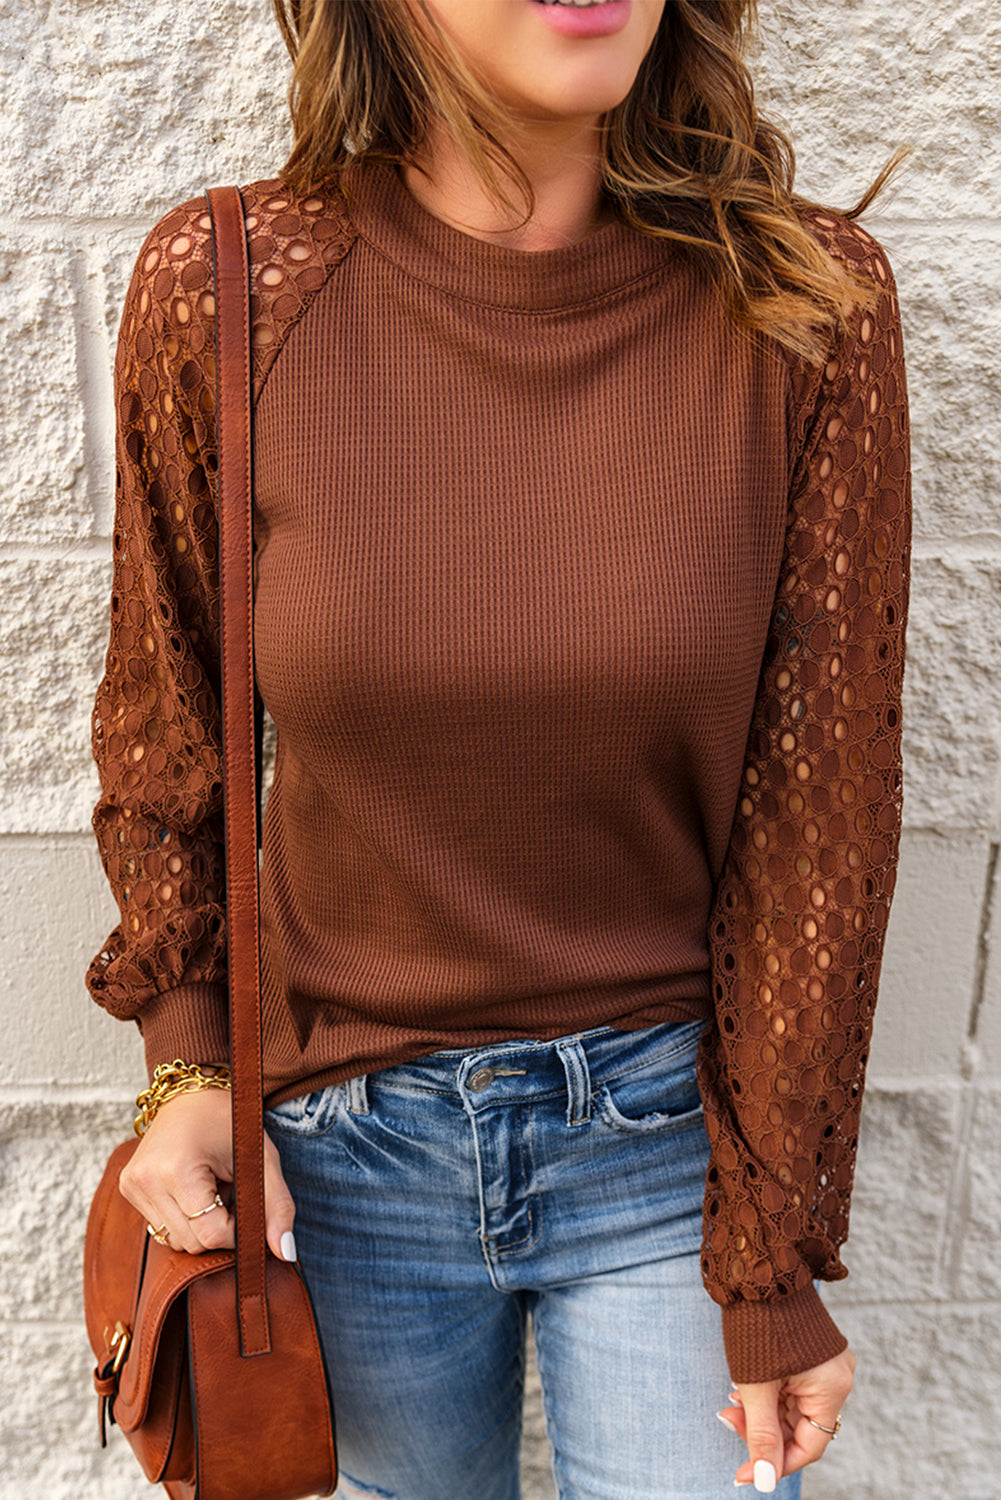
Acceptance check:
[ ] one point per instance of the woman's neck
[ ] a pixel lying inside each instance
(562, 167)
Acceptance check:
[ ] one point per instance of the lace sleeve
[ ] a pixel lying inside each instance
(801, 906)
(156, 734)
(156, 722)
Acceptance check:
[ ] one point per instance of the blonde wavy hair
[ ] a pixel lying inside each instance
(686, 156)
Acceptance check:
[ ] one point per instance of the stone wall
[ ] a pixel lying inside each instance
(112, 112)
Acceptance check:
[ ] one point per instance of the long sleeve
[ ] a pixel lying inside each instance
(156, 735)
(157, 726)
(801, 907)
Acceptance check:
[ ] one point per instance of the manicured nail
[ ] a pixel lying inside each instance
(735, 1399)
(727, 1423)
(764, 1477)
(288, 1250)
(741, 1484)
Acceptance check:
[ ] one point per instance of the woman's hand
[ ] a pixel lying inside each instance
(179, 1165)
(772, 1418)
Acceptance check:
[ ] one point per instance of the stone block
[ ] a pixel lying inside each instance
(952, 328)
(113, 250)
(900, 1204)
(110, 253)
(931, 951)
(988, 1037)
(952, 715)
(52, 1154)
(55, 912)
(856, 80)
(120, 109)
(48, 1421)
(60, 304)
(978, 1231)
(43, 488)
(53, 636)
(988, 1021)
(922, 1419)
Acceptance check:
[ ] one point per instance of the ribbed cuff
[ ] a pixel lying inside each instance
(769, 1340)
(191, 1023)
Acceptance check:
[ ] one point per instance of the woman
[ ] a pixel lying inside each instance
(582, 517)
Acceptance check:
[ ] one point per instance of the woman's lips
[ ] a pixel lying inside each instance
(603, 19)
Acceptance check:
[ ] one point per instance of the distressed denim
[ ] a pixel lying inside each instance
(441, 1202)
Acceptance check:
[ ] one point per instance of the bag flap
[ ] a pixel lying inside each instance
(167, 1276)
(132, 1280)
(112, 1255)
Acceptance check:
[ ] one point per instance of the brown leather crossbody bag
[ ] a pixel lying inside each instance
(211, 1364)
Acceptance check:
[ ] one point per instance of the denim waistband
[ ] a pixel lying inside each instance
(524, 1070)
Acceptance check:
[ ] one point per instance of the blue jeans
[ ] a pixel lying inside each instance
(442, 1201)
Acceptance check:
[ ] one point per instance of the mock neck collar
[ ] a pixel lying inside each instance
(390, 219)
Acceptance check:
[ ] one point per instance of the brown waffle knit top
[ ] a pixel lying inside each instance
(580, 616)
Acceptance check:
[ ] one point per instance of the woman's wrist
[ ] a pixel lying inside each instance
(173, 1079)
(191, 1021)
(770, 1340)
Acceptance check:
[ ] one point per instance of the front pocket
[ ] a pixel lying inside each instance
(307, 1114)
(662, 1094)
(655, 1119)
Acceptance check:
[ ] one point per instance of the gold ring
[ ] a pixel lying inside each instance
(216, 1203)
(832, 1432)
(160, 1235)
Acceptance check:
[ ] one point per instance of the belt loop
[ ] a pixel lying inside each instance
(574, 1060)
(356, 1095)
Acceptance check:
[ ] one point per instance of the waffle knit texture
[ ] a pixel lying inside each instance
(579, 612)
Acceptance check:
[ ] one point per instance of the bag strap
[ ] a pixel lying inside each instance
(236, 543)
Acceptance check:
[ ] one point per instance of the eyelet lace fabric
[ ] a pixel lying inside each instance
(797, 929)
(800, 911)
(156, 728)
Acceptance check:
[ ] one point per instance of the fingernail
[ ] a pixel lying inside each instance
(764, 1477)
(288, 1250)
(736, 1401)
(741, 1484)
(727, 1423)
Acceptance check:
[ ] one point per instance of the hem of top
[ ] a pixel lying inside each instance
(773, 1340)
(605, 1029)
(321, 1078)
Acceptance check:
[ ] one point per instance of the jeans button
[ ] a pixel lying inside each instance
(481, 1079)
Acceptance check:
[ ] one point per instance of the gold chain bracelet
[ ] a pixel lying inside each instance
(171, 1079)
